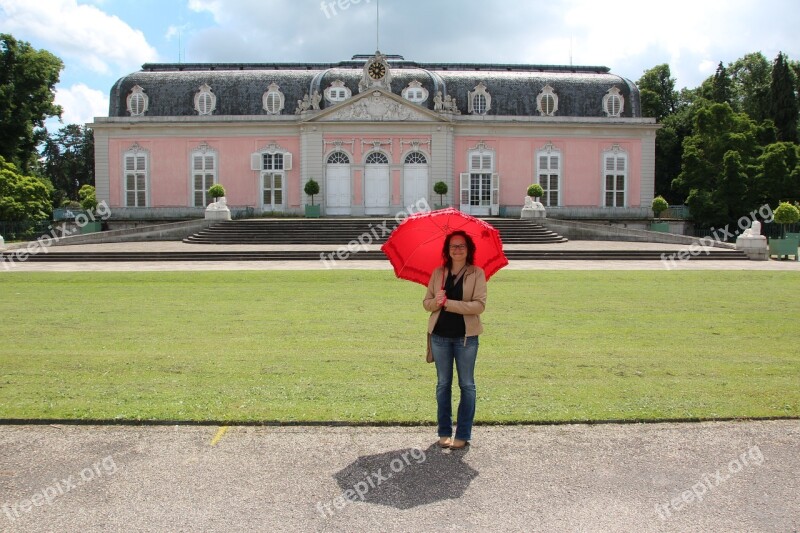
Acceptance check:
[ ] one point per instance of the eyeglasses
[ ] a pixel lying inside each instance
(458, 246)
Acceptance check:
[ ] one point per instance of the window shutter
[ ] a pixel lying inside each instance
(553, 162)
(130, 163)
(610, 163)
(209, 162)
(198, 162)
(487, 162)
(621, 164)
(287, 161)
(476, 162)
(255, 161)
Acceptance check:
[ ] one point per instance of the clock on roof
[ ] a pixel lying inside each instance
(376, 70)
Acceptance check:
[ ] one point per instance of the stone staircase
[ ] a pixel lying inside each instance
(341, 231)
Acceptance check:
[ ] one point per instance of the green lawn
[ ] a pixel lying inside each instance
(348, 346)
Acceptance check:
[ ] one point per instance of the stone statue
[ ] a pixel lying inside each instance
(533, 209)
(218, 210)
(315, 100)
(437, 101)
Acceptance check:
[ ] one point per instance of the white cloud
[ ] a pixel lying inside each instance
(81, 103)
(82, 33)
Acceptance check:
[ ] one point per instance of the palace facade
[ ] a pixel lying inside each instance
(376, 133)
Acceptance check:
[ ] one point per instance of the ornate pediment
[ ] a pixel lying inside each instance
(377, 106)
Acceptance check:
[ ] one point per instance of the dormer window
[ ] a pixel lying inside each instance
(337, 92)
(480, 101)
(613, 103)
(547, 102)
(205, 101)
(415, 92)
(137, 102)
(273, 99)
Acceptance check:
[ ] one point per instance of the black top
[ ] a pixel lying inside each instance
(451, 324)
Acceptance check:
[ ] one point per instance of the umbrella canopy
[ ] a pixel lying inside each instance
(415, 247)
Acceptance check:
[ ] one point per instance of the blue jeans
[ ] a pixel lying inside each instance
(445, 351)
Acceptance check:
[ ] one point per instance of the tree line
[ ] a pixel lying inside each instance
(724, 148)
(730, 145)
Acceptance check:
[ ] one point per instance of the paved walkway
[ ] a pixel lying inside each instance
(354, 263)
(720, 477)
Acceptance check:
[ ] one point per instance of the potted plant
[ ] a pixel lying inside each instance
(659, 205)
(535, 191)
(311, 188)
(88, 201)
(440, 188)
(216, 191)
(785, 214)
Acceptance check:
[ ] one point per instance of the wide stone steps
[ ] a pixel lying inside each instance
(343, 231)
(343, 255)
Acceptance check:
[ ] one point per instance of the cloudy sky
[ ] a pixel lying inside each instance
(102, 40)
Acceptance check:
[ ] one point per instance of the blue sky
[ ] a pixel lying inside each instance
(102, 40)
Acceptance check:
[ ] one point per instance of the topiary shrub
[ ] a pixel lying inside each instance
(659, 205)
(785, 214)
(216, 191)
(535, 191)
(440, 188)
(311, 188)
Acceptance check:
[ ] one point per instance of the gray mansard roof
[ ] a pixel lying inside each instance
(171, 88)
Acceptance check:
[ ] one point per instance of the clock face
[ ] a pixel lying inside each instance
(376, 70)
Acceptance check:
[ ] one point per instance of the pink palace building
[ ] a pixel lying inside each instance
(376, 133)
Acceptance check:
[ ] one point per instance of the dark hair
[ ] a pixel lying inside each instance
(448, 261)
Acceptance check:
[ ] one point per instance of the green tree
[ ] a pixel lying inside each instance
(750, 80)
(778, 175)
(69, 160)
(22, 197)
(717, 160)
(27, 91)
(783, 99)
(657, 92)
(721, 86)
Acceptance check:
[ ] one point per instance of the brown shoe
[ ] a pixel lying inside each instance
(458, 444)
(445, 442)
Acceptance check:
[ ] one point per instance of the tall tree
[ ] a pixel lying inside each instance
(69, 160)
(27, 91)
(721, 85)
(658, 95)
(783, 100)
(750, 80)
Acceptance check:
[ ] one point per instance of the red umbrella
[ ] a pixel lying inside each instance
(415, 247)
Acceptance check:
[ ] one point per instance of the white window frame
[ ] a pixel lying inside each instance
(337, 92)
(268, 100)
(137, 155)
(205, 101)
(415, 93)
(137, 95)
(550, 154)
(472, 99)
(612, 100)
(205, 154)
(546, 94)
(615, 165)
(481, 164)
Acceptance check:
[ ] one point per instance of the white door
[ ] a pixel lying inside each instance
(415, 178)
(480, 194)
(272, 191)
(377, 190)
(337, 197)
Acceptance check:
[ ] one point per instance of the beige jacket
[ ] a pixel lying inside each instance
(471, 306)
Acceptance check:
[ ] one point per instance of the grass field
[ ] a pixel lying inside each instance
(348, 346)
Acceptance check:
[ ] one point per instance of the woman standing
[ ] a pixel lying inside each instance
(456, 297)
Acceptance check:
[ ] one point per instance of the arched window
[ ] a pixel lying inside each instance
(273, 99)
(338, 158)
(480, 101)
(137, 102)
(205, 101)
(416, 158)
(415, 92)
(547, 102)
(337, 92)
(613, 103)
(377, 158)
